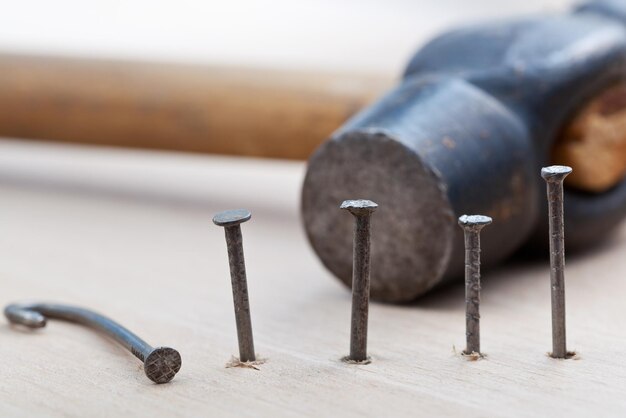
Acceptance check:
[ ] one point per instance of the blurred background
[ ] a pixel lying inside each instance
(254, 78)
(372, 36)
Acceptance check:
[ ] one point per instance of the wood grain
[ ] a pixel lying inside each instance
(130, 234)
(594, 142)
(195, 108)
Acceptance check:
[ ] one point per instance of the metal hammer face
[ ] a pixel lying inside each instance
(476, 116)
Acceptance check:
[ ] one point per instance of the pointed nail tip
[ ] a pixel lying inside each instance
(18, 314)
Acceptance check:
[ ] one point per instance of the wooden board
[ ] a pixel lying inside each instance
(130, 235)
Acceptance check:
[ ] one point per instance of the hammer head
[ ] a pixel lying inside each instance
(428, 150)
(467, 131)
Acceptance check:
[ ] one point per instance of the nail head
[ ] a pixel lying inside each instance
(162, 364)
(232, 217)
(556, 172)
(474, 220)
(359, 206)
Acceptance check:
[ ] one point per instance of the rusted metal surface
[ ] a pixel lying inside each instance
(362, 211)
(160, 364)
(554, 177)
(231, 221)
(472, 225)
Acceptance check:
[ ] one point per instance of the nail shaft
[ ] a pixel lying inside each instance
(554, 177)
(472, 292)
(231, 221)
(557, 278)
(360, 289)
(234, 242)
(472, 226)
(160, 364)
(362, 210)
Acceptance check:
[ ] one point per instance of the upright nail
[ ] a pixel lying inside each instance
(472, 224)
(231, 220)
(362, 211)
(160, 364)
(554, 176)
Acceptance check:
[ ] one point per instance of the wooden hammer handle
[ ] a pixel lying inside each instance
(264, 113)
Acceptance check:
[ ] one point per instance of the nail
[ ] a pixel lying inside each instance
(362, 211)
(554, 177)
(231, 220)
(160, 364)
(472, 224)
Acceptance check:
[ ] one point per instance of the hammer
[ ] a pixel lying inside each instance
(175, 106)
(479, 110)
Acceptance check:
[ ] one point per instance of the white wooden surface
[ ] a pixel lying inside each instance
(130, 234)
